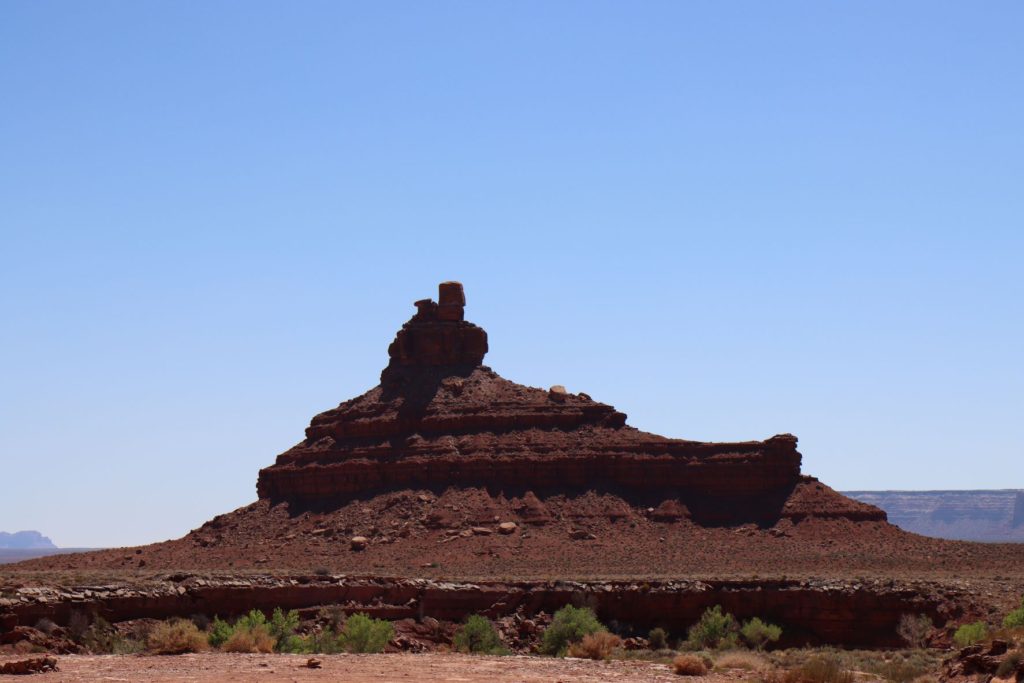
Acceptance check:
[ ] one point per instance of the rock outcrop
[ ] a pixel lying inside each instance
(440, 418)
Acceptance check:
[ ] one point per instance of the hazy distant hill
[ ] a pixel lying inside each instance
(23, 540)
(25, 545)
(964, 515)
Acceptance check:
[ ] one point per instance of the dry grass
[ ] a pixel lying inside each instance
(595, 646)
(819, 670)
(896, 666)
(689, 665)
(738, 659)
(249, 640)
(176, 637)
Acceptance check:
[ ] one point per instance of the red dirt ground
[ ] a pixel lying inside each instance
(203, 668)
(455, 534)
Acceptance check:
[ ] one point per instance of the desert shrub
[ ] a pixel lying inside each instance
(252, 639)
(969, 634)
(568, 625)
(46, 626)
(714, 629)
(282, 627)
(100, 637)
(739, 659)
(78, 624)
(132, 646)
(597, 645)
(1015, 619)
(1009, 665)
(219, 633)
(478, 636)
(251, 633)
(322, 642)
(363, 634)
(255, 618)
(657, 639)
(322, 571)
(201, 621)
(176, 637)
(689, 665)
(915, 629)
(333, 616)
(900, 671)
(758, 633)
(820, 670)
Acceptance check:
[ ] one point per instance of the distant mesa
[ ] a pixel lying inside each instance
(24, 540)
(994, 516)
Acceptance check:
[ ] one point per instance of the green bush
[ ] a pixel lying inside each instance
(363, 634)
(715, 629)
(569, 625)
(282, 627)
(969, 634)
(1015, 619)
(254, 629)
(758, 633)
(478, 636)
(322, 642)
(657, 639)
(219, 633)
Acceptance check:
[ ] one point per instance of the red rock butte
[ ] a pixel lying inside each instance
(447, 490)
(440, 419)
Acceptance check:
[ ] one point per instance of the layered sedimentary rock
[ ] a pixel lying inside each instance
(440, 418)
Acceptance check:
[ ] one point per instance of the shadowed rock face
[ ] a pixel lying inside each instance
(440, 418)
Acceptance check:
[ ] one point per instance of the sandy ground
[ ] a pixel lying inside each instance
(390, 667)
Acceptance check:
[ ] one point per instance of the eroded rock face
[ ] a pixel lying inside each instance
(440, 418)
(436, 337)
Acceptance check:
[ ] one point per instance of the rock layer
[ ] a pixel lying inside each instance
(440, 418)
(848, 612)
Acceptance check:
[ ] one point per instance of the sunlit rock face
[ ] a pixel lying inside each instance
(440, 418)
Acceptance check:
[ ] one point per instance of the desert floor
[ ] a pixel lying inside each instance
(388, 667)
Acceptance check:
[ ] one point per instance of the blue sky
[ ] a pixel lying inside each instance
(729, 220)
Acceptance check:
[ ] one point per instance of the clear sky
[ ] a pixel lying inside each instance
(727, 219)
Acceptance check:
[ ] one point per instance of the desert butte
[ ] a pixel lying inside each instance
(447, 490)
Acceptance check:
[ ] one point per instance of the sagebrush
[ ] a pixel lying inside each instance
(714, 629)
(362, 633)
(569, 625)
(176, 637)
(598, 645)
(478, 636)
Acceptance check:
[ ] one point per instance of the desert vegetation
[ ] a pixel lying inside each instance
(715, 642)
(569, 625)
(969, 634)
(1015, 619)
(718, 629)
(478, 636)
